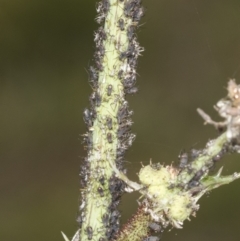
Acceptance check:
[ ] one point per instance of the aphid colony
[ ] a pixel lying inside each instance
(125, 73)
(186, 163)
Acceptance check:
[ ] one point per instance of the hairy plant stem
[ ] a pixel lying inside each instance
(108, 121)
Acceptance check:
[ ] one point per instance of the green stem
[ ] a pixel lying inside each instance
(108, 134)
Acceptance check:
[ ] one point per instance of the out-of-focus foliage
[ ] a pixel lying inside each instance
(192, 48)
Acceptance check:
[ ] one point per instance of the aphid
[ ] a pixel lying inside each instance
(115, 216)
(155, 227)
(129, 7)
(121, 24)
(123, 113)
(198, 175)
(194, 154)
(79, 220)
(95, 99)
(100, 18)
(101, 50)
(120, 74)
(183, 159)
(130, 32)
(122, 131)
(87, 117)
(109, 137)
(138, 14)
(105, 5)
(87, 138)
(100, 35)
(129, 81)
(216, 158)
(99, 65)
(109, 123)
(132, 90)
(123, 55)
(105, 219)
(100, 191)
(109, 233)
(89, 232)
(109, 90)
(99, 7)
(133, 62)
(93, 75)
(132, 50)
(102, 180)
(192, 184)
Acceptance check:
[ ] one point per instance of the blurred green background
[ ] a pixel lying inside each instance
(192, 48)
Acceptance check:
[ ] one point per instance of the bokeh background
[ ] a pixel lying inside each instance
(192, 48)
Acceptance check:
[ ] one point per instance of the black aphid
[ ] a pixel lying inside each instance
(130, 6)
(99, 65)
(120, 74)
(194, 154)
(93, 76)
(100, 51)
(155, 227)
(123, 55)
(192, 184)
(109, 123)
(88, 117)
(100, 35)
(198, 175)
(100, 17)
(89, 232)
(121, 24)
(105, 5)
(105, 219)
(95, 99)
(79, 220)
(123, 113)
(109, 137)
(130, 32)
(100, 191)
(216, 158)
(132, 50)
(130, 81)
(133, 62)
(102, 180)
(138, 14)
(115, 214)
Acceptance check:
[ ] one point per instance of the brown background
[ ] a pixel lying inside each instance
(192, 48)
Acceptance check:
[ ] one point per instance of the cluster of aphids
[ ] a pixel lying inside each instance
(186, 160)
(134, 11)
(107, 220)
(112, 224)
(126, 73)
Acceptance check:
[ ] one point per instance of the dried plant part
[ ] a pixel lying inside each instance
(229, 109)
